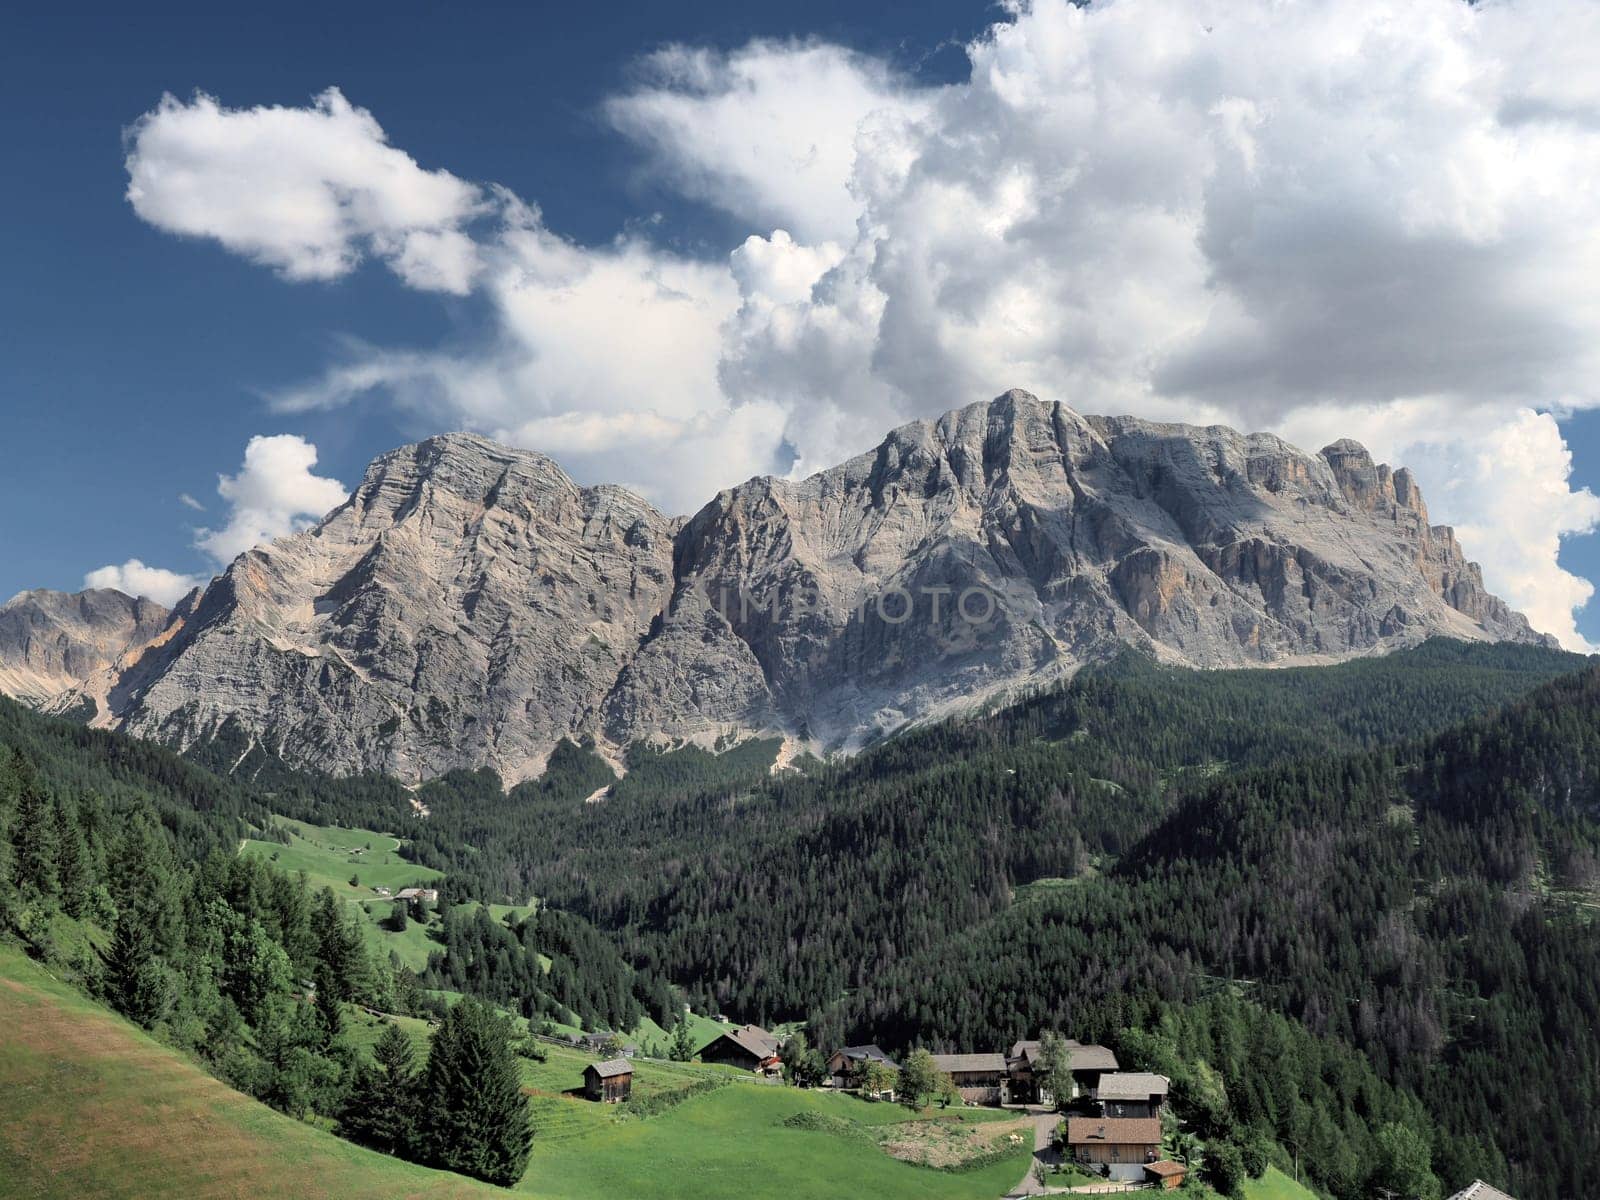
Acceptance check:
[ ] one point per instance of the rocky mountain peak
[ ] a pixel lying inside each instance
(52, 641)
(471, 605)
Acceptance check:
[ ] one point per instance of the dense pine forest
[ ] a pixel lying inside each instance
(1346, 908)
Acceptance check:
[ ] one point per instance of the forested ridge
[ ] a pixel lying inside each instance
(1329, 901)
(1432, 905)
(728, 882)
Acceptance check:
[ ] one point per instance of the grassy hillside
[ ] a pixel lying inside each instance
(1275, 1185)
(91, 1106)
(331, 856)
(734, 1145)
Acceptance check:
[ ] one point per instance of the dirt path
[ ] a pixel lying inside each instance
(1044, 1124)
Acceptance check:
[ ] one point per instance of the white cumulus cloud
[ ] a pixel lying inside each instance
(273, 494)
(1372, 218)
(133, 578)
(309, 191)
(768, 132)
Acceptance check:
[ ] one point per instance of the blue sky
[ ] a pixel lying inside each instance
(134, 361)
(141, 357)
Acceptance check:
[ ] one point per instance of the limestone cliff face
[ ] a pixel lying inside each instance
(50, 642)
(470, 605)
(1213, 548)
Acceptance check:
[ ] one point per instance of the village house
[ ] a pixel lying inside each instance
(980, 1078)
(426, 895)
(1086, 1063)
(1024, 1086)
(602, 1038)
(608, 1082)
(844, 1063)
(750, 1048)
(1121, 1145)
(1131, 1094)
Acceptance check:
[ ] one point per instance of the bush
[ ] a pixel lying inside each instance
(1224, 1169)
(824, 1123)
(650, 1106)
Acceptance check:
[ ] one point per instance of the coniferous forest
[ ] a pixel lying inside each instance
(1346, 909)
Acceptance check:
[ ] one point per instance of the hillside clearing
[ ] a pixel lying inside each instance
(330, 856)
(91, 1106)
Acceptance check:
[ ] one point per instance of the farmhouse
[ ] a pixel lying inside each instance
(843, 1063)
(1123, 1145)
(426, 895)
(610, 1081)
(980, 1078)
(1131, 1094)
(600, 1039)
(1085, 1062)
(750, 1048)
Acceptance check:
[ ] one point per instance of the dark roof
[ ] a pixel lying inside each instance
(752, 1039)
(859, 1053)
(968, 1064)
(1114, 1131)
(1166, 1168)
(611, 1068)
(1090, 1058)
(1029, 1047)
(1130, 1085)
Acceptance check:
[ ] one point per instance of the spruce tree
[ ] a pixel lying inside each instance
(135, 983)
(478, 1117)
(683, 1046)
(330, 1017)
(75, 871)
(33, 832)
(382, 1108)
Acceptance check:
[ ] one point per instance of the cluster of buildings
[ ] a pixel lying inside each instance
(427, 895)
(1114, 1128)
(1012, 1078)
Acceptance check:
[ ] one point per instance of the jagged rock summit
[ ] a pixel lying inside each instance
(470, 605)
(51, 642)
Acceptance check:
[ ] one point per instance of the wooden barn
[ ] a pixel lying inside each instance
(980, 1078)
(609, 1082)
(1166, 1174)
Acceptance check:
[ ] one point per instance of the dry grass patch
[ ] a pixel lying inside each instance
(950, 1141)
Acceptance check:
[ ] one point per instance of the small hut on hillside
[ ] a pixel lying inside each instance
(608, 1082)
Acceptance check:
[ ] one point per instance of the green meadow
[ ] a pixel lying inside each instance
(330, 856)
(95, 1107)
(1275, 1185)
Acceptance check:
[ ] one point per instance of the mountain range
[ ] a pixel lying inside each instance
(470, 605)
